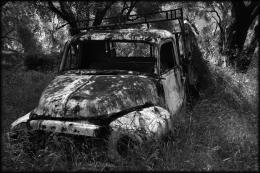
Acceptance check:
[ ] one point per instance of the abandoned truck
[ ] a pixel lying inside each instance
(128, 82)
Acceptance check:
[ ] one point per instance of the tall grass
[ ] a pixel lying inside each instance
(20, 92)
(213, 136)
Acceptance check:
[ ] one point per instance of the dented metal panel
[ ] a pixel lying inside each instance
(76, 128)
(71, 95)
(173, 91)
(153, 121)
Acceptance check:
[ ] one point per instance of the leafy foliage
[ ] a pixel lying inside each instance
(41, 62)
(18, 27)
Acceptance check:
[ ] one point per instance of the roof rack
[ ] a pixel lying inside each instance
(137, 19)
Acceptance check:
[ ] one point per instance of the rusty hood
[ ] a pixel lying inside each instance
(92, 95)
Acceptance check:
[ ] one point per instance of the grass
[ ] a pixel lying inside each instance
(213, 136)
(21, 92)
(241, 87)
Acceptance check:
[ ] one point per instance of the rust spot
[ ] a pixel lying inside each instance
(53, 128)
(43, 126)
(76, 131)
(156, 110)
(63, 129)
(76, 109)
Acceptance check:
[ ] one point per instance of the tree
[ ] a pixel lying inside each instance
(63, 10)
(18, 27)
(230, 22)
(243, 13)
(151, 7)
(72, 12)
(100, 10)
(219, 12)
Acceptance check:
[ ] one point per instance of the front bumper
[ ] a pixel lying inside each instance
(56, 126)
(67, 127)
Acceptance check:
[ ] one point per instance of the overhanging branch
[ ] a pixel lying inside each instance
(60, 13)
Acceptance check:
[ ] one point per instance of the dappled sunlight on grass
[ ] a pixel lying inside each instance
(230, 132)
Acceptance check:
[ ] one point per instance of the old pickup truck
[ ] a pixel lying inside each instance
(125, 83)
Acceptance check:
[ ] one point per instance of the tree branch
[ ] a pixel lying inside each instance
(221, 6)
(255, 11)
(132, 5)
(100, 14)
(124, 8)
(5, 35)
(253, 5)
(193, 25)
(66, 11)
(65, 14)
(213, 10)
(10, 38)
(215, 28)
(216, 20)
(129, 9)
(55, 10)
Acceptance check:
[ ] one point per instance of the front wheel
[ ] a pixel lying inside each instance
(121, 145)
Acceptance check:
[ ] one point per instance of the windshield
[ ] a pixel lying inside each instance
(110, 55)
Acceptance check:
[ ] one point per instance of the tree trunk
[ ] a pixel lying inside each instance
(244, 16)
(99, 17)
(252, 71)
(101, 12)
(73, 28)
(237, 35)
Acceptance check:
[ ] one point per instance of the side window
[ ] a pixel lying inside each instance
(167, 57)
(72, 60)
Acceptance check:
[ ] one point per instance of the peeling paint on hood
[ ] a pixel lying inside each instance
(71, 95)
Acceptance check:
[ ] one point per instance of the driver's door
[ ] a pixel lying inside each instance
(171, 77)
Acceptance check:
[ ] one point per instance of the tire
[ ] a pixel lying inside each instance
(121, 145)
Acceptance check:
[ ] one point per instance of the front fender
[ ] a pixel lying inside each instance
(149, 122)
(20, 120)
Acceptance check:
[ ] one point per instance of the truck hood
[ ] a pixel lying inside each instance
(72, 95)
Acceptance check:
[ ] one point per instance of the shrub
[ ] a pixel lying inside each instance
(41, 62)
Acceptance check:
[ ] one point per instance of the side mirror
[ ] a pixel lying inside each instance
(160, 78)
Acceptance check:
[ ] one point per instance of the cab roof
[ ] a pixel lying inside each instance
(149, 35)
